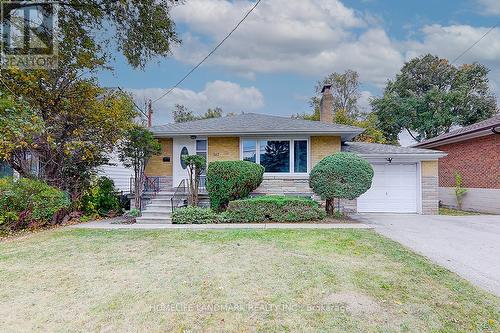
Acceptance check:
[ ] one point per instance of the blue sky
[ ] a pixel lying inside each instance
(270, 65)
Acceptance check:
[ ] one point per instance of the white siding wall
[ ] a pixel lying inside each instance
(118, 173)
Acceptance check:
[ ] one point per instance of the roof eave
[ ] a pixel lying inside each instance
(347, 134)
(422, 156)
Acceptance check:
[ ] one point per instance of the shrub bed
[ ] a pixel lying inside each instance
(273, 208)
(30, 203)
(231, 180)
(194, 215)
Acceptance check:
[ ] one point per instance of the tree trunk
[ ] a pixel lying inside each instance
(330, 206)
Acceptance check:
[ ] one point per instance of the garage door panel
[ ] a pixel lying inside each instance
(394, 190)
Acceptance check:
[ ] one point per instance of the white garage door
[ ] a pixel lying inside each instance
(394, 190)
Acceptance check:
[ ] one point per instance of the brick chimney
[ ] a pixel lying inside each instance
(326, 105)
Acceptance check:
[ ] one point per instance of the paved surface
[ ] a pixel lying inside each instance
(108, 225)
(467, 245)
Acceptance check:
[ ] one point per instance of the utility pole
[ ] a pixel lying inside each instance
(150, 112)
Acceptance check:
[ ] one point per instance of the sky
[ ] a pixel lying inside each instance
(272, 62)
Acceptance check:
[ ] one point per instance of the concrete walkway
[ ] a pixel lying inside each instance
(466, 245)
(108, 226)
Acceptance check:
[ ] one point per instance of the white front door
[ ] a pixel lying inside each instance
(182, 146)
(394, 190)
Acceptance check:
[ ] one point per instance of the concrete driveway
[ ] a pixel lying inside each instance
(467, 245)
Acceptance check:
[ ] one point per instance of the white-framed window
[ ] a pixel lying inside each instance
(202, 150)
(277, 155)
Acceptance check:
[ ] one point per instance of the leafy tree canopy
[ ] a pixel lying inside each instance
(182, 114)
(430, 96)
(139, 29)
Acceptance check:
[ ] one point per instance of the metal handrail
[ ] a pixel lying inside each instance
(180, 195)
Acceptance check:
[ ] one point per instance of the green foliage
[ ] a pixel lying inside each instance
(139, 29)
(182, 114)
(134, 212)
(430, 96)
(101, 199)
(273, 208)
(194, 215)
(341, 176)
(29, 203)
(195, 164)
(231, 180)
(460, 191)
(134, 151)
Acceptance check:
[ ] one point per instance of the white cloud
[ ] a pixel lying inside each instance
(309, 37)
(490, 7)
(230, 96)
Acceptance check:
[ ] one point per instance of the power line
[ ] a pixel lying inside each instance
(208, 55)
(477, 42)
(137, 106)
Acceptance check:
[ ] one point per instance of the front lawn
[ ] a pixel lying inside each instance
(238, 281)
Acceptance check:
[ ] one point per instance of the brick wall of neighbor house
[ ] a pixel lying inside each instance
(223, 149)
(430, 195)
(477, 160)
(156, 166)
(322, 146)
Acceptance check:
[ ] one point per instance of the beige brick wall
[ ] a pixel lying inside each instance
(322, 146)
(156, 166)
(223, 149)
(430, 194)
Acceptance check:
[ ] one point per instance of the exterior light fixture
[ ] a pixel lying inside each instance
(389, 159)
(193, 137)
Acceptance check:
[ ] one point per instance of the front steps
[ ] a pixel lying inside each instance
(158, 211)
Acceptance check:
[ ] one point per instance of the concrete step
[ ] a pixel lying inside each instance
(161, 200)
(156, 214)
(153, 220)
(156, 206)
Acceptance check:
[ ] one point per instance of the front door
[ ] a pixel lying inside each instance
(182, 146)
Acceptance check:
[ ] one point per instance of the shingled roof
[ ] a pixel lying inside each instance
(253, 123)
(485, 125)
(366, 148)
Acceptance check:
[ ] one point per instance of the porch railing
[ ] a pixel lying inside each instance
(179, 198)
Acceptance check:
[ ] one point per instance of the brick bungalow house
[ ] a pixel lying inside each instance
(474, 152)
(405, 180)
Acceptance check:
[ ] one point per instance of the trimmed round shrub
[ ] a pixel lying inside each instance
(273, 208)
(341, 176)
(231, 180)
(29, 203)
(194, 215)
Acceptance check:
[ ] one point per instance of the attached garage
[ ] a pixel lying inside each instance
(394, 190)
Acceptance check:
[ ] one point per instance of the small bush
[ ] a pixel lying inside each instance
(231, 180)
(101, 199)
(194, 215)
(341, 176)
(273, 208)
(30, 203)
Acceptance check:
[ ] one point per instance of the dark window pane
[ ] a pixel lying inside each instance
(275, 156)
(300, 156)
(201, 145)
(249, 153)
(184, 152)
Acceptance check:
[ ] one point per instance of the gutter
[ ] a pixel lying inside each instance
(428, 144)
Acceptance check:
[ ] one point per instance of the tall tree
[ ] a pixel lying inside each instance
(134, 151)
(430, 96)
(71, 130)
(345, 91)
(183, 114)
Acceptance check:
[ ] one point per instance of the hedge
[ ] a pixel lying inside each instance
(273, 208)
(29, 203)
(194, 215)
(231, 180)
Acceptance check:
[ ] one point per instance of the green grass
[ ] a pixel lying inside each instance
(234, 281)
(455, 212)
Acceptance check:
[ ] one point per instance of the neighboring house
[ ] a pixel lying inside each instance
(405, 180)
(474, 152)
(5, 170)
